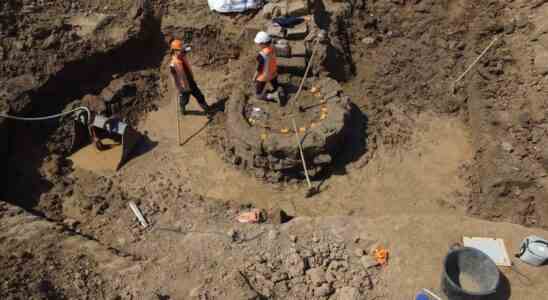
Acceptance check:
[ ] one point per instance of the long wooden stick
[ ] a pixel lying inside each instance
(475, 61)
(178, 110)
(431, 294)
(302, 154)
(306, 72)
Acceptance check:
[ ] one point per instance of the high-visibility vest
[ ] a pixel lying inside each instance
(181, 66)
(270, 68)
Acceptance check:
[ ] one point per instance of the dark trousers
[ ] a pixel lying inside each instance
(260, 86)
(184, 97)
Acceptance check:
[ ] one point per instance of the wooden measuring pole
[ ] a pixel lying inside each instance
(302, 154)
(178, 118)
(296, 98)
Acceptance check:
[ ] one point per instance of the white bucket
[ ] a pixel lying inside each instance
(534, 250)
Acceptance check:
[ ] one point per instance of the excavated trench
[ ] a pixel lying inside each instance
(36, 152)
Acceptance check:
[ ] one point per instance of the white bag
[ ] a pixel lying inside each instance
(228, 6)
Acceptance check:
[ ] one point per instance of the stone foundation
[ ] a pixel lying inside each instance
(272, 154)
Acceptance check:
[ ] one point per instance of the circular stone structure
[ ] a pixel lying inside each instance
(260, 136)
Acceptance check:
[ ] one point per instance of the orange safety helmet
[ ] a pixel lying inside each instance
(176, 45)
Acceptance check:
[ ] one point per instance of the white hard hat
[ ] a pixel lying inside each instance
(262, 38)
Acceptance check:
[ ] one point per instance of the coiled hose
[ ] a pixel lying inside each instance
(48, 117)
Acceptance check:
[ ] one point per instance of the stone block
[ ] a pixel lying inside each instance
(348, 293)
(273, 10)
(275, 31)
(298, 48)
(298, 32)
(541, 60)
(322, 159)
(297, 8)
(278, 216)
(368, 262)
(293, 65)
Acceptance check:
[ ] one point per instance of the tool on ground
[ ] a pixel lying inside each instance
(429, 292)
(318, 38)
(534, 251)
(106, 134)
(138, 214)
(474, 63)
(311, 190)
(178, 118)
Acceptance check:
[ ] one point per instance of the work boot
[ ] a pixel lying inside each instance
(283, 97)
(275, 97)
(210, 112)
(183, 101)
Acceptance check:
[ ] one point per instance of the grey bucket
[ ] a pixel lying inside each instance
(477, 266)
(534, 251)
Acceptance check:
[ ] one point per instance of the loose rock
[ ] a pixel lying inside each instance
(316, 275)
(348, 293)
(324, 290)
(368, 262)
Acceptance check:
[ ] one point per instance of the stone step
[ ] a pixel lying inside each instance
(298, 32)
(275, 31)
(297, 8)
(293, 65)
(298, 49)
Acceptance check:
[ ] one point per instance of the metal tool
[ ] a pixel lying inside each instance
(138, 214)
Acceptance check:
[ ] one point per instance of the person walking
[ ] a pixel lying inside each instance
(267, 67)
(183, 78)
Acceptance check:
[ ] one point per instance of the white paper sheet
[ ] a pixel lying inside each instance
(494, 248)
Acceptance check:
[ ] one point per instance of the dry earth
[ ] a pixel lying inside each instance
(433, 161)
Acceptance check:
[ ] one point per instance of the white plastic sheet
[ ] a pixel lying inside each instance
(228, 6)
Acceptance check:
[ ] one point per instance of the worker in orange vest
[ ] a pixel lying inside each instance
(267, 67)
(184, 79)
